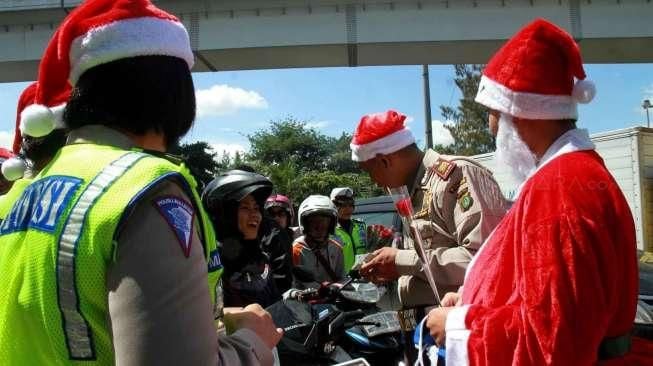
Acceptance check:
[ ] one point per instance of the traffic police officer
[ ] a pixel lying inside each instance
(457, 203)
(351, 233)
(106, 256)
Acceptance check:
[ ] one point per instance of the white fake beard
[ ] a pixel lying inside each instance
(512, 152)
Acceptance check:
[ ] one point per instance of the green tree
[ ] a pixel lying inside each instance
(200, 159)
(469, 120)
(289, 139)
(340, 156)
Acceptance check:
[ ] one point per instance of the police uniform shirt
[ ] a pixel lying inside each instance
(159, 306)
(457, 204)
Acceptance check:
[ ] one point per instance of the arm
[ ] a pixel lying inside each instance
(471, 204)
(159, 306)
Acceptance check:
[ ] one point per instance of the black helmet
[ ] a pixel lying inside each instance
(234, 185)
(221, 196)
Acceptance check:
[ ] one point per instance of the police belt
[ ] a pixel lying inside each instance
(615, 347)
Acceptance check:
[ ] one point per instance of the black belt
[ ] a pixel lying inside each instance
(615, 347)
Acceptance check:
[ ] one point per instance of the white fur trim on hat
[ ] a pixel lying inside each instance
(145, 36)
(13, 168)
(385, 145)
(584, 91)
(37, 120)
(525, 105)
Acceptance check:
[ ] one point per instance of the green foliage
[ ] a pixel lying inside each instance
(301, 161)
(289, 140)
(200, 159)
(469, 120)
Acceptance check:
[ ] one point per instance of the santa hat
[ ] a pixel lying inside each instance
(533, 75)
(380, 133)
(95, 33)
(14, 168)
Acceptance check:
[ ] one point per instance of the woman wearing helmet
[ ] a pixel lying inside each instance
(234, 200)
(315, 250)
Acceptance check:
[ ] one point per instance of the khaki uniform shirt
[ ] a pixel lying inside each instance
(159, 304)
(457, 204)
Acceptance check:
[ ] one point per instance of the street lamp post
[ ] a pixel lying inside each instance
(646, 105)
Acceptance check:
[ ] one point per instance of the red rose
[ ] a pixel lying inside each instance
(404, 207)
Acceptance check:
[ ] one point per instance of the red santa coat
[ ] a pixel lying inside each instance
(558, 275)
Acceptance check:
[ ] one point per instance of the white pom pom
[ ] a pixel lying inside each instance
(584, 91)
(13, 168)
(37, 120)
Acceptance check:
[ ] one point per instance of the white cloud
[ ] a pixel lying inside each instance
(441, 135)
(409, 119)
(6, 139)
(231, 149)
(223, 99)
(318, 124)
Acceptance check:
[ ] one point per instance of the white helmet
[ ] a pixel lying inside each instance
(317, 205)
(342, 192)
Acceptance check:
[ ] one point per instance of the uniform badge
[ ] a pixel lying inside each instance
(443, 168)
(465, 201)
(179, 215)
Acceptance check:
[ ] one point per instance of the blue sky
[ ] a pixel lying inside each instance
(232, 105)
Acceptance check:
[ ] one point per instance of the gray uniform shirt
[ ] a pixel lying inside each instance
(159, 304)
(457, 204)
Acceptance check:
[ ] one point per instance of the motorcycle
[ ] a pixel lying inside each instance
(334, 322)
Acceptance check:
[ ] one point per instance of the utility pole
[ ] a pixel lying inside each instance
(427, 107)
(646, 105)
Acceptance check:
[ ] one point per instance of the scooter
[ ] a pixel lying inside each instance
(332, 322)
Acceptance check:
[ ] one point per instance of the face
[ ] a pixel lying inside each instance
(279, 215)
(249, 217)
(317, 228)
(379, 170)
(345, 208)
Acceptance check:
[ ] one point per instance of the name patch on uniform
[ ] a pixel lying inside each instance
(214, 261)
(41, 205)
(443, 168)
(179, 215)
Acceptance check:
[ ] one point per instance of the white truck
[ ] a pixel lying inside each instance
(628, 154)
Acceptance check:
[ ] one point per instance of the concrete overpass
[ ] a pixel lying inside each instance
(259, 34)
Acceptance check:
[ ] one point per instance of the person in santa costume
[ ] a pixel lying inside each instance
(556, 283)
(108, 256)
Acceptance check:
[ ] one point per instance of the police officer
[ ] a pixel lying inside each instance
(457, 203)
(350, 233)
(107, 255)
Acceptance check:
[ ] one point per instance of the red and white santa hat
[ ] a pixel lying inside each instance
(14, 168)
(537, 74)
(380, 133)
(95, 33)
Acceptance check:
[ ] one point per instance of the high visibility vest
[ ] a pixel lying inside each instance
(353, 244)
(7, 200)
(56, 244)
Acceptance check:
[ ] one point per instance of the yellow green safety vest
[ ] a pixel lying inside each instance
(7, 200)
(352, 244)
(56, 244)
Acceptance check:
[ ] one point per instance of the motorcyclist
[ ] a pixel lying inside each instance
(316, 250)
(235, 200)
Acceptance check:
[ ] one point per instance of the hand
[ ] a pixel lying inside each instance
(255, 318)
(381, 267)
(451, 299)
(436, 321)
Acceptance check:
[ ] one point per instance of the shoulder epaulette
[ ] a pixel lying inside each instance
(443, 168)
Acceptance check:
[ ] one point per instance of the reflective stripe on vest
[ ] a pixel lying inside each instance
(76, 328)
